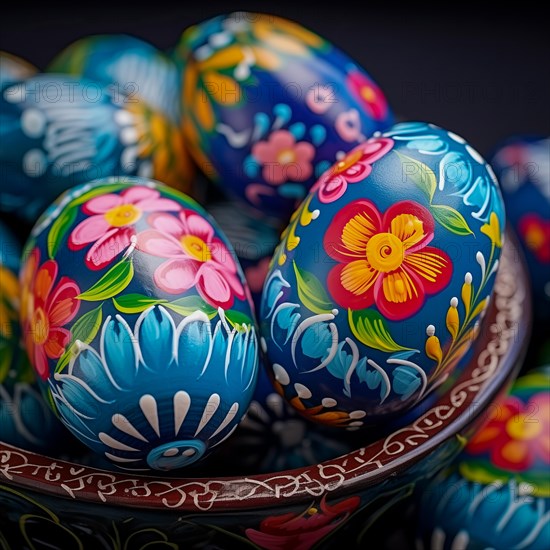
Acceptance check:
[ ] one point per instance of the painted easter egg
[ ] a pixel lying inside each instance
(497, 492)
(523, 168)
(132, 67)
(25, 419)
(13, 68)
(253, 238)
(377, 288)
(141, 324)
(269, 105)
(58, 131)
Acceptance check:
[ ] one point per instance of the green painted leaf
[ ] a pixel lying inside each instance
(451, 219)
(237, 319)
(111, 284)
(311, 291)
(189, 304)
(96, 191)
(84, 330)
(369, 327)
(59, 228)
(135, 303)
(420, 174)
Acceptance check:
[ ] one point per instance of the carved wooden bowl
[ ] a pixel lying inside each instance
(49, 503)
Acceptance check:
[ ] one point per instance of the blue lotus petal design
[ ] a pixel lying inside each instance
(161, 395)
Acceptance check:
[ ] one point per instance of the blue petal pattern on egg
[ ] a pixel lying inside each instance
(152, 359)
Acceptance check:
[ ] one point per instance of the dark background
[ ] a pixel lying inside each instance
(480, 73)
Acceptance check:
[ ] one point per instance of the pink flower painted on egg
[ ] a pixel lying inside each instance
(195, 258)
(354, 167)
(283, 159)
(111, 220)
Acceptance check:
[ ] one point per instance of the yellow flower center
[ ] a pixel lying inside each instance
(196, 248)
(119, 216)
(367, 93)
(385, 252)
(286, 156)
(347, 161)
(40, 326)
(312, 511)
(522, 428)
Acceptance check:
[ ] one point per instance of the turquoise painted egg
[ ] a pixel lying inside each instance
(378, 286)
(58, 131)
(13, 68)
(269, 105)
(130, 66)
(25, 419)
(139, 322)
(523, 167)
(497, 492)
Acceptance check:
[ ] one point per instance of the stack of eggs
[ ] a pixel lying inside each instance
(336, 279)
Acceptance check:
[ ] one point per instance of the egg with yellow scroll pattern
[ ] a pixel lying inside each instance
(59, 131)
(379, 284)
(496, 494)
(25, 419)
(267, 105)
(139, 323)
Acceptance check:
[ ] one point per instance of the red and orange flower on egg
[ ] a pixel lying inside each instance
(384, 258)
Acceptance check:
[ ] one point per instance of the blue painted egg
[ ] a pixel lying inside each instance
(13, 68)
(25, 419)
(523, 168)
(497, 492)
(269, 105)
(58, 131)
(131, 67)
(138, 318)
(379, 283)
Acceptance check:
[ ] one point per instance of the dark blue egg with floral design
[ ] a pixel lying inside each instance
(523, 168)
(269, 105)
(25, 419)
(58, 131)
(376, 291)
(139, 322)
(496, 494)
